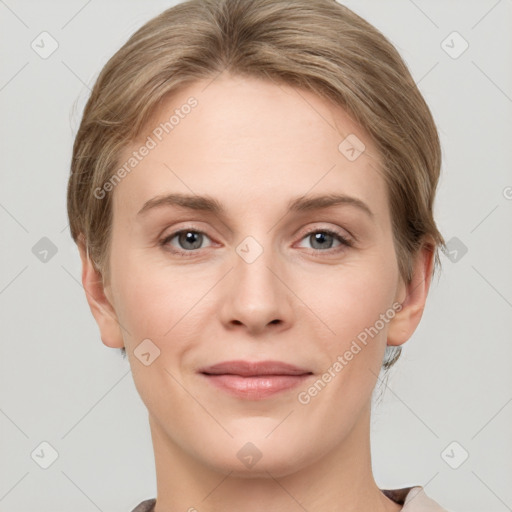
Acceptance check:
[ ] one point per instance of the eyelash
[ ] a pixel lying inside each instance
(345, 242)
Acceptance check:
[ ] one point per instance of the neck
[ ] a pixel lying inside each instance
(339, 480)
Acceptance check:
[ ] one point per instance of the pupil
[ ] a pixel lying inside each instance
(320, 238)
(191, 238)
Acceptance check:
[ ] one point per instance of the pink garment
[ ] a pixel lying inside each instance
(413, 499)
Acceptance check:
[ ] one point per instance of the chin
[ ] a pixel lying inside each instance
(243, 458)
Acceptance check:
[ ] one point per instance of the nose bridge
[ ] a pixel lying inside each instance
(255, 256)
(257, 296)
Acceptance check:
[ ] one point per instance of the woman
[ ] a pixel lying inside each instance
(251, 192)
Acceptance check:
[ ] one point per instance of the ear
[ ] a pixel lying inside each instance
(413, 297)
(97, 297)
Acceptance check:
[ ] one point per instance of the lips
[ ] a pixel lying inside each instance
(254, 380)
(254, 369)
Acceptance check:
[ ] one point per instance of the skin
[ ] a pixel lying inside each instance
(253, 145)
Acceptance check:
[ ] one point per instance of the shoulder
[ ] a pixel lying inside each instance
(145, 506)
(413, 499)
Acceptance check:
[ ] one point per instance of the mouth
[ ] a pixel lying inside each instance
(254, 380)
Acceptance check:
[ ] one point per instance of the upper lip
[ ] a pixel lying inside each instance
(251, 369)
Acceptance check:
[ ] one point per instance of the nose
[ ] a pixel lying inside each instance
(256, 297)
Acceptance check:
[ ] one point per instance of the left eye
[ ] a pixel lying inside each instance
(323, 238)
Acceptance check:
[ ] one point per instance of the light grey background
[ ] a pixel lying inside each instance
(60, 384)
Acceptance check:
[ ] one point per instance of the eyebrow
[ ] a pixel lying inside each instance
(211, 205)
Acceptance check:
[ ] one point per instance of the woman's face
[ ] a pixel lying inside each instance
(261, 276)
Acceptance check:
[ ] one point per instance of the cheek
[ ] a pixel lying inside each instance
(147, 304)
(351, 304)
(160, 304)
(354, 299)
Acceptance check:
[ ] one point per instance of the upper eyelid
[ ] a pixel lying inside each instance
(336, 231)
(305, 232)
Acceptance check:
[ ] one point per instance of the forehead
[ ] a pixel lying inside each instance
(248, 140)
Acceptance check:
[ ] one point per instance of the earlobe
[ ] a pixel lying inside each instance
(413, 297)
(99, 303)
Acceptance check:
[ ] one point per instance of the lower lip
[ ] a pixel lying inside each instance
(257, 387)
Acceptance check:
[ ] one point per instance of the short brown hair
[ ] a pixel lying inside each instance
(318, 45)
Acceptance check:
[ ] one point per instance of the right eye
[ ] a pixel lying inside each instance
(188, 239)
